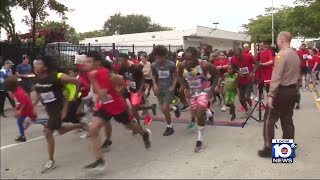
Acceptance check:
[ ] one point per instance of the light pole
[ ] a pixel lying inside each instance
(272, 24)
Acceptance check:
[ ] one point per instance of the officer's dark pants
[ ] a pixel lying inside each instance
(283, 105)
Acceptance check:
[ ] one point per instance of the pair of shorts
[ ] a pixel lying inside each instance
(200, 101)
(121, 118)
(54, 116)
(245, 90)
(165, 97)
(230, 97)
(72, 110)
(304, 70)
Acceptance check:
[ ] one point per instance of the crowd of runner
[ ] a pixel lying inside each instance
(96, 90)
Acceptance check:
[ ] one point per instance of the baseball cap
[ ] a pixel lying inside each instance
(8, 62)
(180, 54)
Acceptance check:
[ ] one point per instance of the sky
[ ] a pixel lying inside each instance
(90, 15)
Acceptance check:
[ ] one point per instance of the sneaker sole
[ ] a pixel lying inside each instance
(99, 168)
(183, 110)
(49, 169)
(148, 123)
(198, 151)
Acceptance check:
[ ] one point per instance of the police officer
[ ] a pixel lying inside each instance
(283, 93)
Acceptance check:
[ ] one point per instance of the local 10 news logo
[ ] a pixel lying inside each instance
(283, 150)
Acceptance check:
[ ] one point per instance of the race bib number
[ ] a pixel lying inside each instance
(47, 97)
(132, 84)
(163, 74)
(107, 100)
(305, 56)
(244, 70)
(194, 84)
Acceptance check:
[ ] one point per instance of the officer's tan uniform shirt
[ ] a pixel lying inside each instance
(286, 70)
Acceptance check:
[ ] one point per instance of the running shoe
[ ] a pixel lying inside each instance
(97, 165)
(184, 108)
(3, 115)
(241, 109)
(261, 107)
(198, 147)
(177, 112)
(49, 166)
(224, 108)
(266, 152)
(106, 145)
(85, 136)
(233, 117)
(169, 131)
(256, 99)
(21, 139)
(147, 120)
(147, 139)
(298, 107)
(154, 109)
(191, 125)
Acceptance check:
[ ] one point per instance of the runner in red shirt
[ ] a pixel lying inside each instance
(221, 65)
(303, 53)
(265, 71)
(244, 63)
(313, 64)
(112, 105)
(24, 108)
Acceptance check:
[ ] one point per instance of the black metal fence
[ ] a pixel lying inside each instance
(66, 53)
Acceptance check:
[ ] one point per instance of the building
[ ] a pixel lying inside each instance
(218, 39)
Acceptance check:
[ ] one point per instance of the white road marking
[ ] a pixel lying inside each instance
(28, 141)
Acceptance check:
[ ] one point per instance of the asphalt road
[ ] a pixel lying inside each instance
(229, 152)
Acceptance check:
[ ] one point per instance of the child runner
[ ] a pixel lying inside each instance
(221, 65)
(112, 105)
(49, 89)
(24, 108)
(135, 78)
(164, 83)
(197, 75)
(230, 89)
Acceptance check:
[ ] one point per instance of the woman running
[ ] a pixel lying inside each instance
(49, 89)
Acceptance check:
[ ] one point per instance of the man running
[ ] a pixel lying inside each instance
(112, 105)
(133, 74)
(164, 80)
(244, 63)
(303, 54)
(197, 80)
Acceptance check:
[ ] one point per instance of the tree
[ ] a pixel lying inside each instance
(70, 32)
(6, 20)
(299, 20)
(261, 25)
(38, 12)
(129, 24)
(91, 34)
